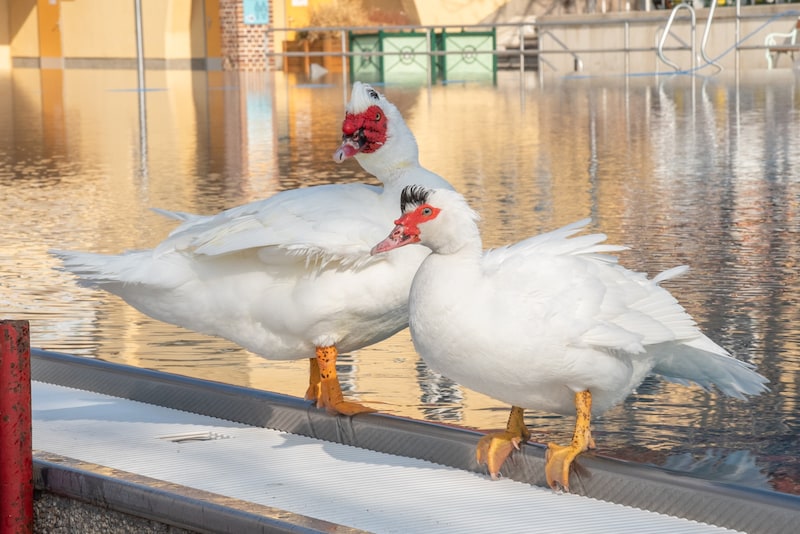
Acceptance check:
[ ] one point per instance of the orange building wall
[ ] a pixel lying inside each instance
(175, 31)
(5, 37)
(213, 29)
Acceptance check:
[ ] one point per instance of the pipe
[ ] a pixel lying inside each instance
(142, 90)
(16, 459)
(137, 7)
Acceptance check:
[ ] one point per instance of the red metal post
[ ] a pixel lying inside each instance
(16, 460)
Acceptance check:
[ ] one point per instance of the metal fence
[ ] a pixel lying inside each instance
(521, 46)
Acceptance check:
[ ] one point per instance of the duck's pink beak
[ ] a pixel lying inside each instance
(351, 145)
(400, 236)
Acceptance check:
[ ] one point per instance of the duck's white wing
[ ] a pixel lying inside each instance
(555, 243)
(319, 224)
(594, 302)
(606, 304)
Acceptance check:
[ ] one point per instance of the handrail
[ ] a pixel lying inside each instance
(704, 42)
(666, 32)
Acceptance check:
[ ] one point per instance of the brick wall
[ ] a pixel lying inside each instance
(244, 46)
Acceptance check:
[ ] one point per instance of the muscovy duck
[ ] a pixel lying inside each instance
(290, 276)
(552, 323)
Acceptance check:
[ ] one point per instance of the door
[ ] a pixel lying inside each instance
(213, 35)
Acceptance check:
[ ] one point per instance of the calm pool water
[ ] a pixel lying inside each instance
(704, 172)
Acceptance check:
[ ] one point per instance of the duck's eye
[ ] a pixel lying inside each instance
(427, 212)
(377, 117)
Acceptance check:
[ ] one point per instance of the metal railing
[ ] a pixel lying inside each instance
(704, 41)
(525, 55)
(511, 40)
(666, 32)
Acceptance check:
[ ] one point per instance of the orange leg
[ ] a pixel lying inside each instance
(312, 393)
(559, 459)
(330, 391)
(494, 448)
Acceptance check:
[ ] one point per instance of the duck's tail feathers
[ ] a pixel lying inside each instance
(706, 364)
(561, 242)
(669, 274)
(102, 270)
(177, 215)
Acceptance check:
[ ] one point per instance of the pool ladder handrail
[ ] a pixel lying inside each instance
(704, 42)
(666, 31)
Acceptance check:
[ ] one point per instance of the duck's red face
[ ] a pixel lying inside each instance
(406, 230)
(362, 132)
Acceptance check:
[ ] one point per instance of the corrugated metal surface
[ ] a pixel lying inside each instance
(627, 483)
(341, 484)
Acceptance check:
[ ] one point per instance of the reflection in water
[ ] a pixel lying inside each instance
(440, 398)
(738, 467)
(701, 172)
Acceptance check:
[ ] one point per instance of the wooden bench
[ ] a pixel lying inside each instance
(782, 43)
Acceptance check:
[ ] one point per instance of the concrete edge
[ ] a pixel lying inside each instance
(165, 502)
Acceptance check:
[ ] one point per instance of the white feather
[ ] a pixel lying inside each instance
(282, 275)
(532, 323)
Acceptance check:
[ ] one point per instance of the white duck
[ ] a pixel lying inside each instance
(549, 323)
(290, 276)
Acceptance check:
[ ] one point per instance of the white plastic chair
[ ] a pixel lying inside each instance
(781, 43)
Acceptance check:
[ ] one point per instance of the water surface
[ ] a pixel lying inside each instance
(704, 172)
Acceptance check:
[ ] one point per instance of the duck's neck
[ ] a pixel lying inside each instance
(396, 157)
(387, 170)
(443, 277)
(463, 246)
(399, 174)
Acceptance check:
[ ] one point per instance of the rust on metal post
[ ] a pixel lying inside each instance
(16, 460)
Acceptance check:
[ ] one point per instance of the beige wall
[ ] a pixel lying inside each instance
(98, 29)
(174, 25)
(456, 11)
(590, 41)
(23, 28)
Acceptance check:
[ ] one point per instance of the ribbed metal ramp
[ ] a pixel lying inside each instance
(211, 457)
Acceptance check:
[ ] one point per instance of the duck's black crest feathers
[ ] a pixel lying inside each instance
(413, 195)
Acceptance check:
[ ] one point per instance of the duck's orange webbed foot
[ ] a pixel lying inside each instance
(325, 388)
(494, 448)
(559, 458)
